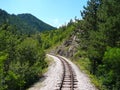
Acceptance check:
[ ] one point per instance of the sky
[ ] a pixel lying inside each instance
(53, 12)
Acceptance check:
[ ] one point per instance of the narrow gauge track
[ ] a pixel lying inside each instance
(68, 80)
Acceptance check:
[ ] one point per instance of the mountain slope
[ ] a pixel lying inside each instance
(34, 22)
(26, 23)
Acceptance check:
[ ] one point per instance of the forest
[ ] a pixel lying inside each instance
(24, 23)
(21, 59)
(100, 41)
(22, 55)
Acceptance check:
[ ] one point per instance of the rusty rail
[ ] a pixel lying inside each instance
(68, 77)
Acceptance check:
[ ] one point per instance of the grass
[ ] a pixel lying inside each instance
(49, 60)
(84, 65)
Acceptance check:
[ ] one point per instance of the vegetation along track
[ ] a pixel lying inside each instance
(68, 80)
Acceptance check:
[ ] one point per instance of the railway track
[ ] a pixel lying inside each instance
(68, 80)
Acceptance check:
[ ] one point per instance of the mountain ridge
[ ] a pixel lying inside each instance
(25, 23)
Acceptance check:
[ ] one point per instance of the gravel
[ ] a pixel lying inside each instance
(83, 80)
(53, 76)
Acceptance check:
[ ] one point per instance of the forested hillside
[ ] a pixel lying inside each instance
(25, 23)
(35, 23)
(22, 56)
(21, 59)
(100, 41)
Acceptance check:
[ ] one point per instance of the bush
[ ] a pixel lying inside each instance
(111, 64)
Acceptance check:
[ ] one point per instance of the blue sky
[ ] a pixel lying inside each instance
(53, 12)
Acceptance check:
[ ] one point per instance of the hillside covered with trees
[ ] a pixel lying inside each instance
(21, 59)
(25, 23)
(22, 55)
(100, 41)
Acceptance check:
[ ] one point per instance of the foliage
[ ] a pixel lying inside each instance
(21, 59)
(22, 56)
(99, 30)
(51, 38)
(111, 63)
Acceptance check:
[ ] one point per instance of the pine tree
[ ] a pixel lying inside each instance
(89, 14)
(109, 15)
(90, 33)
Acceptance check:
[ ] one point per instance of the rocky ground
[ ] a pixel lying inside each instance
(70, 46)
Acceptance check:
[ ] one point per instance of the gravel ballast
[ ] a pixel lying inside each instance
(53, 76)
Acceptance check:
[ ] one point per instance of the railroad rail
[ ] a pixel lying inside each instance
(68, 80)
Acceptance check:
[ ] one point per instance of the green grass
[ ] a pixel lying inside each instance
(84, 65)
(49, 60)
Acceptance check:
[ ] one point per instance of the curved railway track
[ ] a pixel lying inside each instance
(68, 80)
